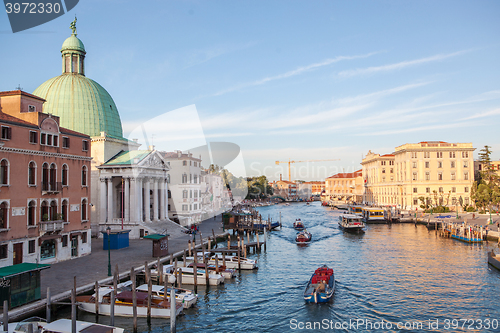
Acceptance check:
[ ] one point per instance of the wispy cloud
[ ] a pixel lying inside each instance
(399, 65)
(294, 72)
(494, 112)
(197, 57)
(393, 131)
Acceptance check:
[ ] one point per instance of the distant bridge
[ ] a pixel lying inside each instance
(278, 197)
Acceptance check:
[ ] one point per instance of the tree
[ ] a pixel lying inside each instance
(485, 190)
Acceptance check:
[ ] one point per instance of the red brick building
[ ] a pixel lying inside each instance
(44, 184)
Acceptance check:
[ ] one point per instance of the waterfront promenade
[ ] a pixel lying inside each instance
(94, 267)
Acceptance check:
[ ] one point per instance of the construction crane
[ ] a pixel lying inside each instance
(290, 162)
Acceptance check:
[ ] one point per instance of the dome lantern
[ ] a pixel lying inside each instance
(73, 53)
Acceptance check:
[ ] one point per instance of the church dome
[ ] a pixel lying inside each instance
(82, 104)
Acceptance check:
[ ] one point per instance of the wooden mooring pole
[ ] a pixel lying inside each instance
(6, 315)
(112, 309)
(195, 276)
(134, 299)
(96, 300)
(47, 306)
(73, 311)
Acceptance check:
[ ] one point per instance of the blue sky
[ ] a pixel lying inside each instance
(300, 80)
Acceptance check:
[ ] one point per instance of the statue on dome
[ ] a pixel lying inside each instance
(73, 26)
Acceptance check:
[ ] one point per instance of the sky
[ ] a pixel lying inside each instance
(298, 80)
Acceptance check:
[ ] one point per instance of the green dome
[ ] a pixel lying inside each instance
(83, 104)
(73, 43)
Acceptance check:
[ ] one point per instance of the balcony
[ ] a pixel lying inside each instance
(52, 226)
(54, 187)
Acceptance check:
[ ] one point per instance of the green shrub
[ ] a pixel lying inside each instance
(471, 209)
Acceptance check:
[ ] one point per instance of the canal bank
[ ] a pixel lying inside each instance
(60, 277)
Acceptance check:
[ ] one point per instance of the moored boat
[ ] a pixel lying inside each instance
(303, 237)
(351, 223)
(185, 296)
(232, 262)
(65, 326)
(298, 225)
(188, 275)
(494, 259)
(321, 286)
(228, 273)
(160, 308)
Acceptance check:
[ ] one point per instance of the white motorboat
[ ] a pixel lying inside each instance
(36, 324)
(64, 326)
(187, 297)
(228, 273)
(188, 275)
(232, 262)
(160, 308)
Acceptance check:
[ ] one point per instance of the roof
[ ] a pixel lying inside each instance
(387, 155)
(4, 117)
(73, 43)
(128, 157)
(20, 92)
(21, 268)
(354, 174)
(155, 236)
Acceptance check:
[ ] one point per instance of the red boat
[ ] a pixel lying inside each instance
(303, 237)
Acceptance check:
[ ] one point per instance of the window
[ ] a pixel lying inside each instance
(466, 176)
(199, 193)
(413, 154)
(52, 177)
(453, 201)
(184, 163)
(452, 154)
(84, 237)
(391, 162)
(190, 193)
(427, 165)
(64, 241)
(64, 175)
(465, 154)
(441, 190)
(452, 164)
(440, 164)
(45, 177)
(427, 190)
(453, 190)
(33, 137)
(31, 108)
(414, 190)
(49, 139)
(383, 170)
(4, 172)
(185, 208)
(439, 154)
(31, 246)
(414, 164)
(195, 179)
(466, 189)
(415, 201)
(190, 178)
(427, 154)
(440, 176)
(32, 174)
(6, 133)
(190, 163)
(427, 176)
(85, 145)
(56, 141)
(84, 175)
(84, 210)
(195, 164)
(64, 210)
(53, 211)
(43, 138)
(169, 194)
(48, 249)
(466, 164)
(467, 201)
(195, 206)
(196, 194)
(4, 215)
(184, 194)
(184, 178)
(414, 176)
(32, 213)
(168, 179)
(4, 254)
(65, 142)
(453, 176)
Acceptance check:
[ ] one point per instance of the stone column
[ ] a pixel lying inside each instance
(147, 199)
(155, 199)
(110, 200)
(133, 200)
(102, 194)
(126, 199)
(139, 198)
(162, 199)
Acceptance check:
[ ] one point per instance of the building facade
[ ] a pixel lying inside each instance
(439, 172)
(45, 192)
(184, 179)
(345, 186)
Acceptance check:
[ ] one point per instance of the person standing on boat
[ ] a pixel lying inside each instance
(321, 286)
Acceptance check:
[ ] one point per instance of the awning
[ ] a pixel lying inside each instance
(48, 237)
(21, 268)
(76, 233)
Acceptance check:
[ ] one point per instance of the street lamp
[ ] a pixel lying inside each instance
(108, 229)
(173, 309)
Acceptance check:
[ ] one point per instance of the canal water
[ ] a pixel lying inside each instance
(393, 278)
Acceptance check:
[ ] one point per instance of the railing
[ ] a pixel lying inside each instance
(47, 226)
(52, 187)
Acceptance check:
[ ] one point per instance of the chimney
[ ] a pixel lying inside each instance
(151, 147)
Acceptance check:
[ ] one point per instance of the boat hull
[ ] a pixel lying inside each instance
(494, 260)
(466, 239)
(311, 295)
(127, 310)
(352, 230)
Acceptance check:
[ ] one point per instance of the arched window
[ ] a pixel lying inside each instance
(45, 211)
(32, 213)
(64, 175)
(32, 173)
(184, 178)
(184, 194)
(84, 210)
(64, 210)
(52, 177)
(45, 177)
(53, 211)
(84, 175)
(4, 172)
(4, 215)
